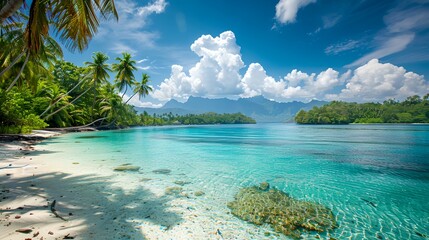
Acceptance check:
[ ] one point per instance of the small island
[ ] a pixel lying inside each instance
(414, 109)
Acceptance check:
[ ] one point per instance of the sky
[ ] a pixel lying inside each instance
(284, 50)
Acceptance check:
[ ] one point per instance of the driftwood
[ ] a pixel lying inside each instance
(54, 211)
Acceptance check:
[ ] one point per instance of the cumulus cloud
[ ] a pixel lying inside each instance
(376, 81)
(217, 74)
(286, 10)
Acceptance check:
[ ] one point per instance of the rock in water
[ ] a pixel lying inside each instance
(285, 214)
(123, 168)
(162, 171)
(264, 186)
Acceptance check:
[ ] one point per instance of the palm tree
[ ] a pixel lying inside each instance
(141, 88)
(125, 76)
(75, 21)
(98, 73)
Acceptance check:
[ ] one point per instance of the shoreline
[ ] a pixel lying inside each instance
(94, 203)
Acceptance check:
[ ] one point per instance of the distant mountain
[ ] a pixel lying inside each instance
(259, 108)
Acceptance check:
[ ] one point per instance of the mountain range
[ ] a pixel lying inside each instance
(259, 108)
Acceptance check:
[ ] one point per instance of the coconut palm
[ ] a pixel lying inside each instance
(142, 88)
(74, 21)
(125, 72)
(98, 73)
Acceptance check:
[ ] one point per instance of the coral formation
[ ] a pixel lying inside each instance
(284, 213)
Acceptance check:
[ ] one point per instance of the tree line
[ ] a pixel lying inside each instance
(414, 109)
(194, 119)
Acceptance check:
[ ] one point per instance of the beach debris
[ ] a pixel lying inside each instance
(218, 232)
(181, 183)
(285, 214)
(54, 211)
(162, 171)
(17, 217)
(126, 167)
(24, 230)
(199, 193)
(50, 233)
(69, 236)
(36, 234)
(173, 190)
(264, 186)
(75, 163)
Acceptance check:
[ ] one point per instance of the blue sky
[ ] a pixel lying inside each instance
(285, 50)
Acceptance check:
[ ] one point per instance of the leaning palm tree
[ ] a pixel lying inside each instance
(142, 88)
(125, 72)
(99, 72)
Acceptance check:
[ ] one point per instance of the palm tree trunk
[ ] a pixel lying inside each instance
(12, 63)
(68, 104)
(9, 9)
(19, 74)
(124, 91)
(131, 97)
(94, 92)
(59, 99)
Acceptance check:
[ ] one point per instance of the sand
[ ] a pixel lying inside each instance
(91, 205)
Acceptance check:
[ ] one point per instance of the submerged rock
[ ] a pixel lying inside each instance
(173, 190)
(181, 183)
(264, 186)
(162, 171)
(199, 193)
(126, 167)
(284, 213)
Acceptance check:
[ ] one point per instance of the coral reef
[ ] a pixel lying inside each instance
(285, 214)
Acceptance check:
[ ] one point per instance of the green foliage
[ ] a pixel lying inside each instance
(195, 119)
(17, 113)
(412, 110)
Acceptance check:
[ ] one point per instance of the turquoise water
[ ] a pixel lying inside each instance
(375, 178)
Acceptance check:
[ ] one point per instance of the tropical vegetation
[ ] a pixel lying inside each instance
(414, 109)
(194, 119)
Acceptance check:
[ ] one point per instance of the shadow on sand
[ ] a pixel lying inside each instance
(101, 210)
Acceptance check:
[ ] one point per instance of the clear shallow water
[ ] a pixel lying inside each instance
(375, 178)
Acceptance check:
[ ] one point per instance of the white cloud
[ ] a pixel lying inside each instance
(129, 32)
(136, 102)
(286, 10)
(216, 73)
(157, 7)
(403, 23)
(392, 45)
(376, 81)
(341, 47)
